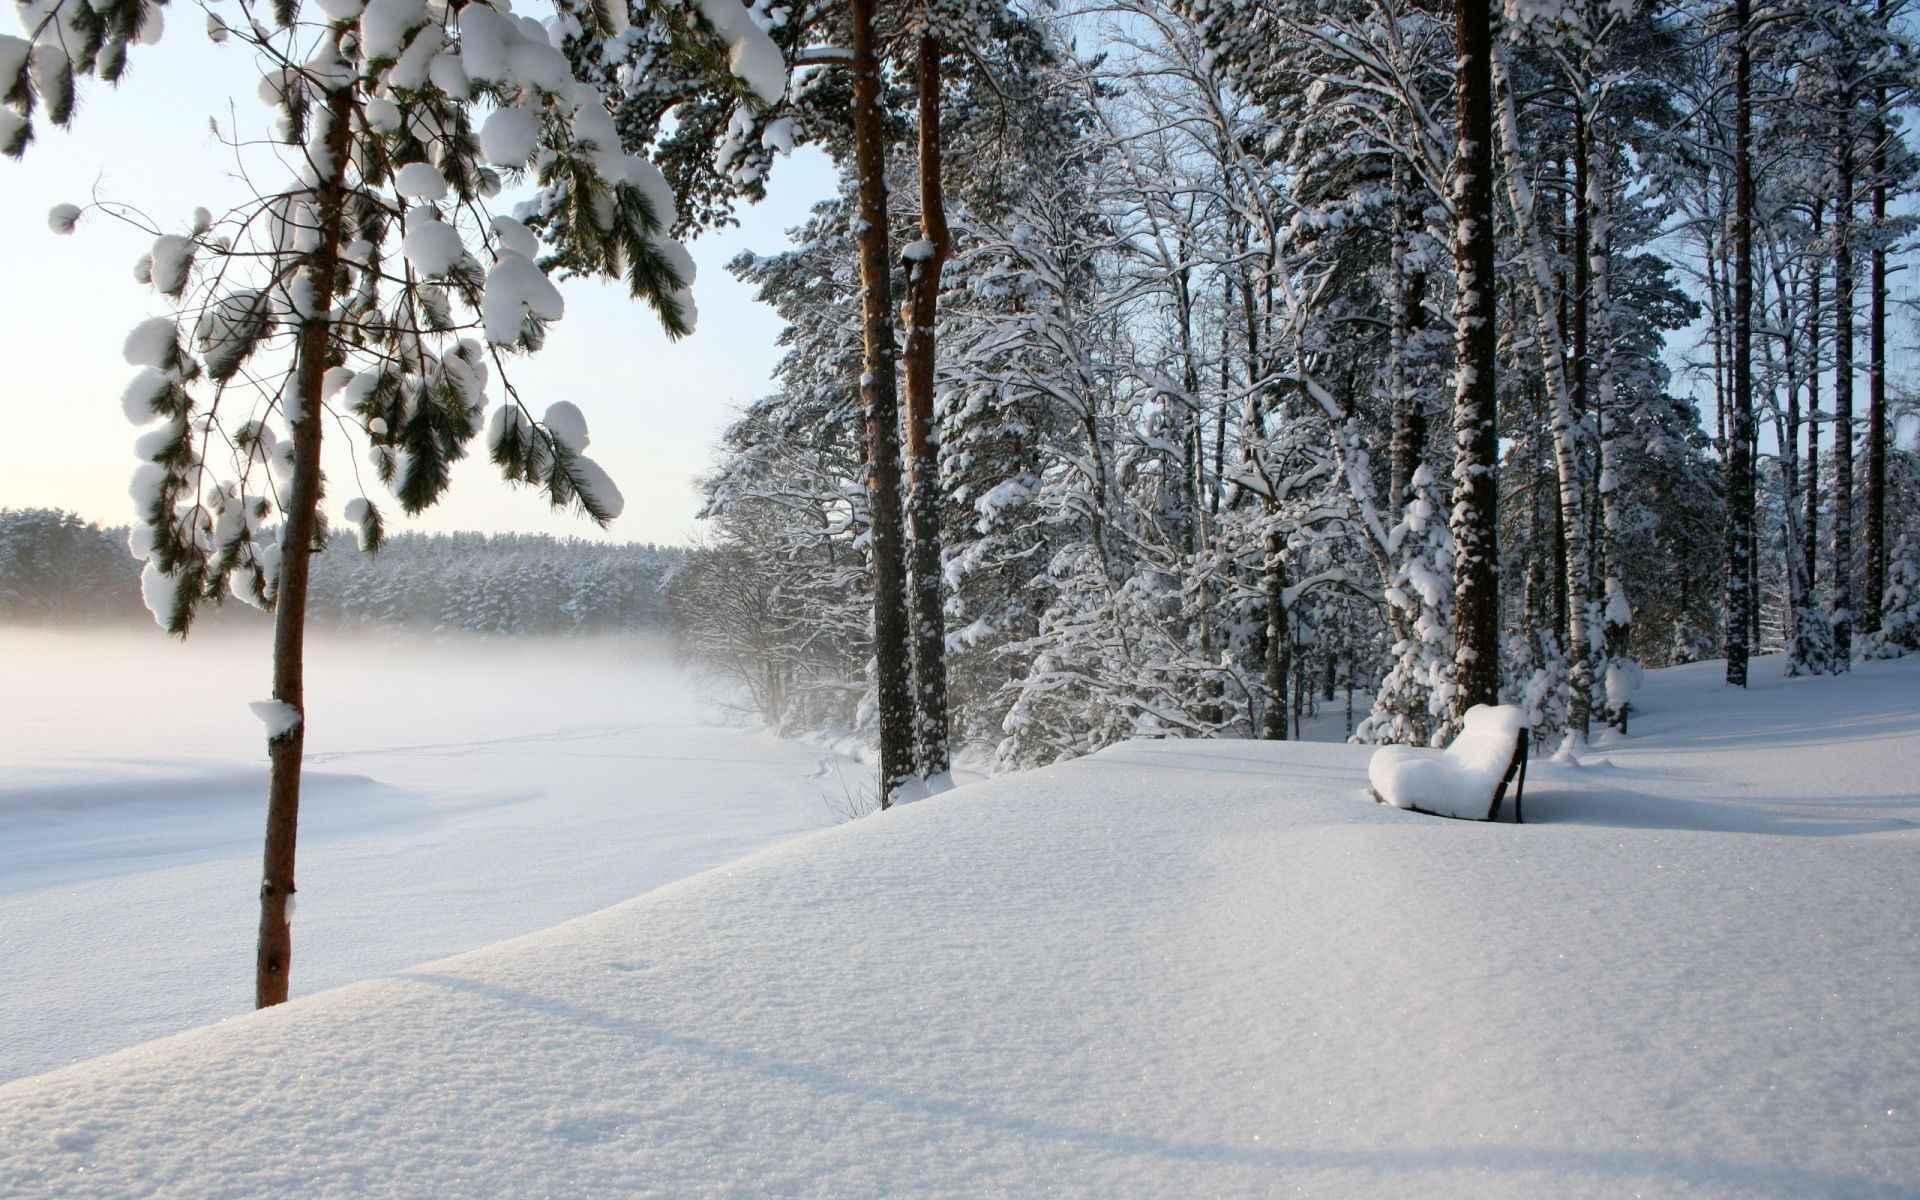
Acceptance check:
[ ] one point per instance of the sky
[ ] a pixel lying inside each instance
(655, 408)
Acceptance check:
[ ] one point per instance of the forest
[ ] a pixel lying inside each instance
(1157, 365)
(1205, 406)
(58, 570)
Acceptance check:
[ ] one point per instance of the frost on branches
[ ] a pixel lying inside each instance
(1899, 633)
(380, 282)
(1415, 700)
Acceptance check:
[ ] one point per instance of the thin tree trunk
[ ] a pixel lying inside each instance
(1810, 530)
(286, 748)
(1567, 450)
(1739, 433)
(1876, 548)
(1843, 287)
(1476, 508)
(923, 464)
(880, 404)
(1617, 613)
(1278, 642)
(1794, 567)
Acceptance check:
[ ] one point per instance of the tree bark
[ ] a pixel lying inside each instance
(1278, 642)
(313, 354)
(923, 464)
(1568, 451)
(880, 405)
(1740, 428)
(1617, 619)
(1843, 286)
(1876, 548)
(1810, 529)
(1475, 413)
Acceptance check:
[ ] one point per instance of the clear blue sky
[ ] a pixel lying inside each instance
(66, 304)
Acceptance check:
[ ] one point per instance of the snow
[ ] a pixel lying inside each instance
(597, 488)
(538, 65)
(14, 52)
(385, 23)
(516, 237)
(456, 793)
(1174, 968)
(567, 424)
(171, 260)
(420, 180)
(516, 288)
(142, 390)
(508, 136)
(160, 592)
(277, 715)
(653, 186)
(61, 218)
(1458, 781)
(751, 54)
(433, 247)
(779, 136)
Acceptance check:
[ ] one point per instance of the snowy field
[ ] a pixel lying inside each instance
(458, 793)
(1173, 969)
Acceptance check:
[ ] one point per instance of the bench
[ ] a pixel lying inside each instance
(1468, 780)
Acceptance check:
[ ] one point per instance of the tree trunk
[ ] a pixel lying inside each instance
(880, 405)
(1475, 413)
(1801, 652)
(1617, 618)
(1740, 430)
(1876, 548)
(1843, 286)
(313, 354)
(1568, 452)
(1278, 641)
(1810, 529)
(923, 464)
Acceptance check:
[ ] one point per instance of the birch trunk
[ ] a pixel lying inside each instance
(1564, 422)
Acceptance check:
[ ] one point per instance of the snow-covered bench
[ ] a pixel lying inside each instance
(1466, 780)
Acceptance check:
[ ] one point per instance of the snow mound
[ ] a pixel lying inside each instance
(1458, 781)
(1175, 968)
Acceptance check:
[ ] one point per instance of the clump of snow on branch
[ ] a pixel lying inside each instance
(416, 349)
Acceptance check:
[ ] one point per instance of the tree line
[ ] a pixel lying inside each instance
(59, 570)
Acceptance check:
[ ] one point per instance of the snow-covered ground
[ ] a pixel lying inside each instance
(1172, 969)
(458, 793)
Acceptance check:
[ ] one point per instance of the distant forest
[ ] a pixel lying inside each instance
(57, 568)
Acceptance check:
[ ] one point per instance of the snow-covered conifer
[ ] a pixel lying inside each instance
(378, 288)
(1899, 632)
(1415, 705)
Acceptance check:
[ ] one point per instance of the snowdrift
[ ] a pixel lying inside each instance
(1173, 969)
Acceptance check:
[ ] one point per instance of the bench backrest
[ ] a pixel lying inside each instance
(1492, 747)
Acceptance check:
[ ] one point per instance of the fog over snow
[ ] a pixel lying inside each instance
(457, 792)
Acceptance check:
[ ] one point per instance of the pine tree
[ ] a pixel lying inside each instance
(66, 41)
(1899, 632)
(359, 291)
(1476, 440)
